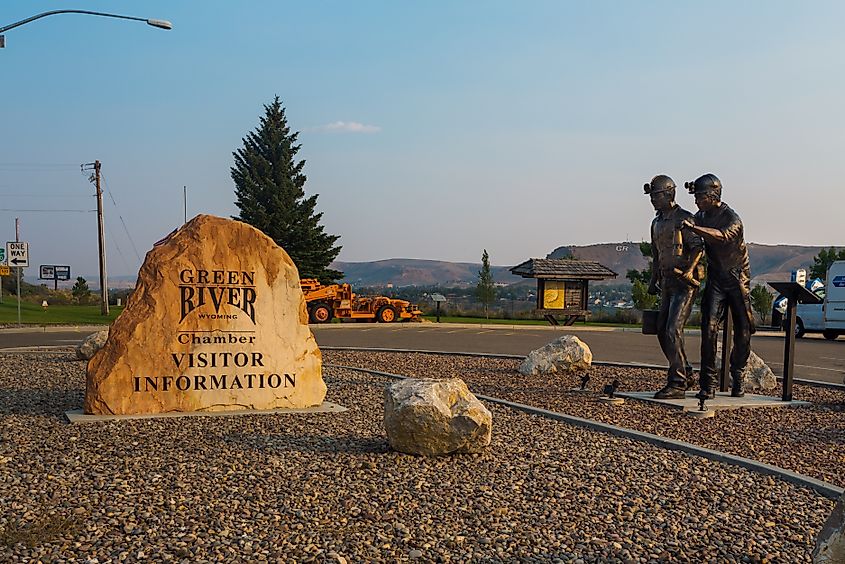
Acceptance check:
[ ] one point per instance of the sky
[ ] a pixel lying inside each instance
(430, 130)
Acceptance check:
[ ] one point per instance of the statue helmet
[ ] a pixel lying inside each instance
(660, 183)
(705, 184)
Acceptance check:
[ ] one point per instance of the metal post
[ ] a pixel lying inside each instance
(185, 202)
(789, 349)
(727, 344)
(18, 269)
(104, 287)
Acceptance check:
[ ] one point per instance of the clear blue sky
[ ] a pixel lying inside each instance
(430, 129)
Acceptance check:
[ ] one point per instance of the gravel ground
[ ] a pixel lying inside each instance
(808, 440)
(326, 487)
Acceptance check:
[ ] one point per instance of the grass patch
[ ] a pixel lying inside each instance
(48, 526)
(34, 314)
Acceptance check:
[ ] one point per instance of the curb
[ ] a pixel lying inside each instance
(52, 328)
(814, 383)
(823, 488)
(558, 329)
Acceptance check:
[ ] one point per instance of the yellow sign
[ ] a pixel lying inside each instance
(5, 270)
(553, 294)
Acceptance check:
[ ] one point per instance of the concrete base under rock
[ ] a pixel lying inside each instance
(722, 401)
(78, 416)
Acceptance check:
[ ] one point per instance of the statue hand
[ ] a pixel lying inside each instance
(687, 224)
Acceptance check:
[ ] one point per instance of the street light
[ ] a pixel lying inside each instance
(162, 24)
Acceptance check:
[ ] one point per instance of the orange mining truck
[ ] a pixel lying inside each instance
(338, 300)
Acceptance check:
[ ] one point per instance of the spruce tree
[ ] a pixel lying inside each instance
(269, 192)
(80, 291)
(485, 291)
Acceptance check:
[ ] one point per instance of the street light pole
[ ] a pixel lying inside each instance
(161, 24)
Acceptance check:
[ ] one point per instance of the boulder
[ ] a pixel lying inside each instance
(758, 376)
(830, 543)
(91, 344)
(565, 354)
(434, 417)
(217, 322)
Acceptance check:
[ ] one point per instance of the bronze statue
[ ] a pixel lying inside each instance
(728, 283)
(675, 274)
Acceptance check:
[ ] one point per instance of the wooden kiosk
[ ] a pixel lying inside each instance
(562, 285)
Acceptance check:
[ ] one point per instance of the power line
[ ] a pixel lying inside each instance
(43, 196)
(40, 164)
(33, 168)
(39, 211)
(116, 245)
(111, 197)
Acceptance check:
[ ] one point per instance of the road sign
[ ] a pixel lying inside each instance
(3, 255)
(5, 270)
(53, 272)
(17, 253)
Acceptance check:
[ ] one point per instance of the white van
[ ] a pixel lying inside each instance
(828, 317)
(834, 301)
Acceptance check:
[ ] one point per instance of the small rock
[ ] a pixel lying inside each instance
(565, 354)
(91, 344)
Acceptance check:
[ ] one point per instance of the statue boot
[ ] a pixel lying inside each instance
(737, 384)
(670, 391)
(707, 391)
(690, 376)
(676, 385)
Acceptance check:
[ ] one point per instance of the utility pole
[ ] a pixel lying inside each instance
(104, 285)
(18, 269)
(185, 201)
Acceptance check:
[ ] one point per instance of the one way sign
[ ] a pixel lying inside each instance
(17, 253)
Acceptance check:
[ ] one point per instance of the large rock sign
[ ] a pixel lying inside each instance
(217, 322)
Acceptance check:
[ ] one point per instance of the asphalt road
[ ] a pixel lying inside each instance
(815, 358)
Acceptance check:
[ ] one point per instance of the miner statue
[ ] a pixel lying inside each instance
(728, 287)
(675, 275)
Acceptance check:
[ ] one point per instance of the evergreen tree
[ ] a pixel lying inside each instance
(642, 275)
(485, 291)
(823, 260)
(640, 296)
(761, 302)
(269, 189)
(80, 291)
(640, 280)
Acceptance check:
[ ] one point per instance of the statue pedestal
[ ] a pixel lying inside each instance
(723, 400)
(698, 414)
(612, 401)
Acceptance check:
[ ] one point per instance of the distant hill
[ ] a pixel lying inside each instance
(416, 272)
(768, 262)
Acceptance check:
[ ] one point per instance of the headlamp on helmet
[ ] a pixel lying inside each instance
(705, 184)
(660, 183)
